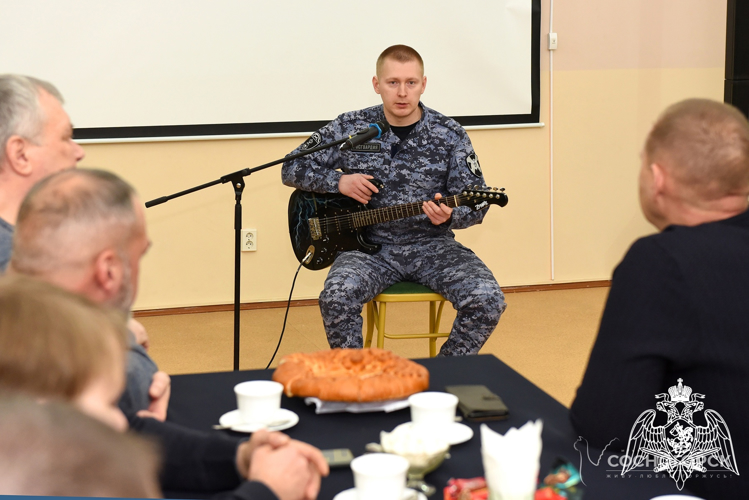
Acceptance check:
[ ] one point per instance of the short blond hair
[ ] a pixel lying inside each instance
(53, 343)
(400, 53)
(706, 144)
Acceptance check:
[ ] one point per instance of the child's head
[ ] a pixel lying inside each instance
(59, 346)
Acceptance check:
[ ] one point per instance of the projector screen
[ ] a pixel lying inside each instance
(160, 68)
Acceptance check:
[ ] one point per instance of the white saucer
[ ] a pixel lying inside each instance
(457, 433)
(350, 494)
(231, 420)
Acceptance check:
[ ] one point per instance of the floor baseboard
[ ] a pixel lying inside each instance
(313, 302)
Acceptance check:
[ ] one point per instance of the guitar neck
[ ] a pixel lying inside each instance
(387, 214)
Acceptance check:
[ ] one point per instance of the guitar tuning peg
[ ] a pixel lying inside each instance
(502, 189)
(494, 189)
(475, 187)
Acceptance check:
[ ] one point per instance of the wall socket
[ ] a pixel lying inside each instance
(249, 240)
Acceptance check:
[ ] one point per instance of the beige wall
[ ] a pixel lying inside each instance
(618, 64)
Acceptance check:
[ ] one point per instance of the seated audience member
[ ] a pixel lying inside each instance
(87, 236)
(677, 306)
(36, 138)
(55, 345)
(75, 352)
(51, 449)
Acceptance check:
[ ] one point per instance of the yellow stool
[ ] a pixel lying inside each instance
(405, 292)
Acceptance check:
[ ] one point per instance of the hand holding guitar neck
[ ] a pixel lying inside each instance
(438, 212)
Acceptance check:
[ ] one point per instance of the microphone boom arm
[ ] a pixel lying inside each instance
(238, 184)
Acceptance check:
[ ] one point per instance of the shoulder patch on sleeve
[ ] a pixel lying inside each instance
(473, 164)
(313, 141)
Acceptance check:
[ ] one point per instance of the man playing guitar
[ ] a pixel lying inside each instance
(424, 155)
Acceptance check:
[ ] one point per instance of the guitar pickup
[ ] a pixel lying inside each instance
(314, 228)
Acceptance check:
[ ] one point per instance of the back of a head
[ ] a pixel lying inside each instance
(52, 449)
(67, 218)
(705, 144)
(53, 344)
(20, 111)
(400, 53)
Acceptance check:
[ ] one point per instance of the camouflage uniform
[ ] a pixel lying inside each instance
(436, 157)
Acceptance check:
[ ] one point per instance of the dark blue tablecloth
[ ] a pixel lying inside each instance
(199, 400)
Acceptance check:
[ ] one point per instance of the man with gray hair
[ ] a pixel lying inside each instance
(84, 231)
(36, 138)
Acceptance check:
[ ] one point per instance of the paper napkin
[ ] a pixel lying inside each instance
(340, 406)
(511, 461)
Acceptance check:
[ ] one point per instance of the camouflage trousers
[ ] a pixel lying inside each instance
(442, 264)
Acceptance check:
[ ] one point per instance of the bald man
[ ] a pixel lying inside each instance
(85, 232)
(675, 326)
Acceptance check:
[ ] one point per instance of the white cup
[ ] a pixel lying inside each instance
(433, 411)
(258, 400)
(676, 497)
(379, 476)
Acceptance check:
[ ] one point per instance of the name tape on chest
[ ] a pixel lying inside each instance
(367, 148)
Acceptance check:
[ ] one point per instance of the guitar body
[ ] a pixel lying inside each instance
(306, 210)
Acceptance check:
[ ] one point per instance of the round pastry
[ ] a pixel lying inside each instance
(352, 375)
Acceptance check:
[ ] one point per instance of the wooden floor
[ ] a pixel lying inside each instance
(546, 336)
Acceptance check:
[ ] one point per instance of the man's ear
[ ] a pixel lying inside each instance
(660, 178)
(108, 273)
(16, 155)
(376, 84)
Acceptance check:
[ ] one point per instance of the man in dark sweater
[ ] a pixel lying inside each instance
(675, 328)
(97, 227)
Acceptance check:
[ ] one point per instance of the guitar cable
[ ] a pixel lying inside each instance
(288, 305)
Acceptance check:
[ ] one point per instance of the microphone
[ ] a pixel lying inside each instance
(374, 131)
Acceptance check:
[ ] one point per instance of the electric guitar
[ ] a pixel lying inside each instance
(321, 225)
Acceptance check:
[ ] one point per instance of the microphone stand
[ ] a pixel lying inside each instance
(237, 182)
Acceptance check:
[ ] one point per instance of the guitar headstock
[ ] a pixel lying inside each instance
(478, 198)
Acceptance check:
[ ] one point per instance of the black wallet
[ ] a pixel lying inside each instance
(477, 402)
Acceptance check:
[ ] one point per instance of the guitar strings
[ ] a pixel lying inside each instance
(347, 221)
(368, 217)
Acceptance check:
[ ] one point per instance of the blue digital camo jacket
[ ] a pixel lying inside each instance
(436, 157)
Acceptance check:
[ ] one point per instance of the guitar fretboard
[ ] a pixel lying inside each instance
(373, 216)
(387, 214)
